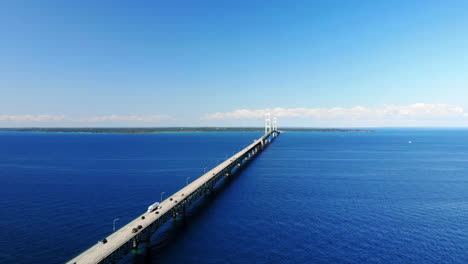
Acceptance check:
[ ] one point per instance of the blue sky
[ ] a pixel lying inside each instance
(206, 63)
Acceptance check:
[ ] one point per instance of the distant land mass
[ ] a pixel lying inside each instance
(144, 130)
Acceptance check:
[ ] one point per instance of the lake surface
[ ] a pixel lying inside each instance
(308, 198)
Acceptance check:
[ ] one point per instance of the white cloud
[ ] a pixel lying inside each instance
(414, 111)
(44, 118)
(35, 118)
(123, 118)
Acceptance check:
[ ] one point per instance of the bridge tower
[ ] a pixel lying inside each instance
(275, 124)
(267, 123)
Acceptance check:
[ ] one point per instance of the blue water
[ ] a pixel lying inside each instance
(308, 198)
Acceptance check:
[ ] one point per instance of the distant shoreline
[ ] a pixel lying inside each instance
(127, 130)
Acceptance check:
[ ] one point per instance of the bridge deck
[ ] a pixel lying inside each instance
(100, 251)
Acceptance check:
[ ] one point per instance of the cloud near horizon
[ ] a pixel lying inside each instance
(414, 111)
(35, 118)
(39, 118)
(124, 118)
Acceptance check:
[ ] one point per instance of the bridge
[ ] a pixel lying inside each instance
(121, 242)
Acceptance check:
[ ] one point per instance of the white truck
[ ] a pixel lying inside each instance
(153, 207)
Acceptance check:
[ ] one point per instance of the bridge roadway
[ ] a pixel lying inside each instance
(123, 240)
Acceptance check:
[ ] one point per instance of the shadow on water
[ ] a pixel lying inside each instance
(173, 229)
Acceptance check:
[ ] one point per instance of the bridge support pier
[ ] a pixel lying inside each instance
(146, 238)
(209, 190)
(183, 211)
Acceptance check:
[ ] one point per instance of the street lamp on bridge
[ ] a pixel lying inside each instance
(113, 229)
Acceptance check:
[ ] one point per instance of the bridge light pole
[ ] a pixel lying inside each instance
(162, 196)
(204, 170)
(113, 229)
(186, 180)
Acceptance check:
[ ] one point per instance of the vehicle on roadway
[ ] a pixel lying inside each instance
(153, 207)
